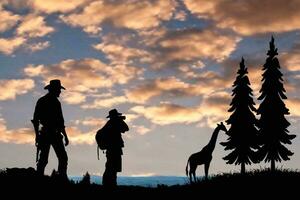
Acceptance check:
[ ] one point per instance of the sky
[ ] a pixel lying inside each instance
(167, 65)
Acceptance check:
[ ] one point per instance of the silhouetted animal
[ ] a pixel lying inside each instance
(204, 156)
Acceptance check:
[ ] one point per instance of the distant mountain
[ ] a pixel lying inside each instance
(145, 181)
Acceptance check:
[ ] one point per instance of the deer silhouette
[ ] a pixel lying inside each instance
(204, 156)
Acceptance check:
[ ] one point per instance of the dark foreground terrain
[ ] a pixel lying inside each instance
(19, 182)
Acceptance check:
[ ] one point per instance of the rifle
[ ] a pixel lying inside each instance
(37, 133)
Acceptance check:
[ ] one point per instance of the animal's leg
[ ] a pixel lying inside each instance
(192, 172)
(206, 168)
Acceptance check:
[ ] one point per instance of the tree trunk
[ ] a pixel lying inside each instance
(243, 168)
(272, 165)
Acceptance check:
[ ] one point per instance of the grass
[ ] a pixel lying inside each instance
(253, 184)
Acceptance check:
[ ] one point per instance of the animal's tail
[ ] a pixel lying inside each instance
(187, 167)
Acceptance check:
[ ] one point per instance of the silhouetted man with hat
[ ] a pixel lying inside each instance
(48, 114)
(115, 126)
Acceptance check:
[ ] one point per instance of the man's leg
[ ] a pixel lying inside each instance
(43, 157)
(62, 156)
(109, 176)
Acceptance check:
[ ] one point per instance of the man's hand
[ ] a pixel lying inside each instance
(66, 141)
(37, 140)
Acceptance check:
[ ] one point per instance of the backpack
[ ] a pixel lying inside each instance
(101, 138)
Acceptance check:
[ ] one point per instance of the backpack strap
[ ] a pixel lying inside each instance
(98, 152)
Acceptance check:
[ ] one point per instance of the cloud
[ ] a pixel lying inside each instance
(78, 137)
(46, 6)
(18, 136)
(10, 88)
(122, 14)
(152, 88)
(26, 135)
(189, 46)
(249, 17)
(7, 19)
(106, 103)
(141, 130)
(84, 77)
(211, 110)
(38, 46)
(33, 26)
(293, 105)
(73, 97)
(92, 30)
(119, 54)
(214, 109)
(180, 15)
(90, 121)
(167, 113)
(9, 45)
(204, 83)
(194, 43)
(291, 58)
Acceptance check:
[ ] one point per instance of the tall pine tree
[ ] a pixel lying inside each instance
(272, 123)
(243, 132)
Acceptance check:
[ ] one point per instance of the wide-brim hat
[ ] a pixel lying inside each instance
(54, 84)
(113, 113)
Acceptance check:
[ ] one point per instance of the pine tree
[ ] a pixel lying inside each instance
(272, 123)
(243, 131)
(86, 180)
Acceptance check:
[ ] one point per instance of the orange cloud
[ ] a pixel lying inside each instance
(38, 46)
(205, 84)
(141, 130)
(10, 88)
(152, 88)
(294, 106)
(77, 137)
(214, 109)
(119, 54)
(51, 6)
(90, 121)
(191, 44)
(9, 45)
(106, 103)
(167, 113)
(83, 78)
(33, 26)
(123, 14)
(210, 111)
(18, 136)
(73, 97)
(249, 17)
(26, 135)
(7, 19)
(190, 47)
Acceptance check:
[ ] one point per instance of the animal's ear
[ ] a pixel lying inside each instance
(222, 123)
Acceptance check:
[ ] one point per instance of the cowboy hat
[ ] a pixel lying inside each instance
(113, 113)
(55, 83)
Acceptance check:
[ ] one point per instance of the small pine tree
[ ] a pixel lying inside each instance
(53, 173)
(86, 180)
(243, 131)
(272, 123)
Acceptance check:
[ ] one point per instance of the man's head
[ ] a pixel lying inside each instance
(54, 87)
(115, 114)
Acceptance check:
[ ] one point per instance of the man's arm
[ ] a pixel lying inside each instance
(36, 123)
(65, 136)
(124, 126)
(36, 130)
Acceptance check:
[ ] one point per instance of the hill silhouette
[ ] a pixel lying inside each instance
(26, 183)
